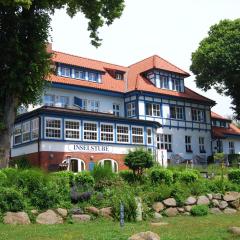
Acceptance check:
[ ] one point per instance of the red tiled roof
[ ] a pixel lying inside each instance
(220, 132)
(133, 75)
(217, 116)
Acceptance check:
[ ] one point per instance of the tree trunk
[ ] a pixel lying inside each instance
(9, 106)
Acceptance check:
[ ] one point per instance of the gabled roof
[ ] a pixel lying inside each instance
(221, 132)
(219, 117)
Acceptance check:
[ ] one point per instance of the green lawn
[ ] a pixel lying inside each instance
(179, 228)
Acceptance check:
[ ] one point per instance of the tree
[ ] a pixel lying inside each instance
(139, 159)
(24, 62)
(216, 62)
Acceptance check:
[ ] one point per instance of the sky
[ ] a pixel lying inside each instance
(171, 29)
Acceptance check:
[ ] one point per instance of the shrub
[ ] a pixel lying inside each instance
(234, 176)
(84, 178)
(12, 175)
(138, 160)
(21, 162)
(234, 159)
(11, 200)
(188, 176)
(218, 157)
(65, 174)
(199, 187)
(102, 173)
(199, 210)
(161, 175)
(180, 192)
(162, 192)
(127, 176)
(3, 178)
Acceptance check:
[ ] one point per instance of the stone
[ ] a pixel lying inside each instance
(157, 216)
(217, 196)
(235, 204)
(170, 202)
(49, 217)
(34, 211)
(158, 224)
(145, 236)
(215, 211)
(186, 214)
(81, 218)
(158, 206)
(229, 211)
(171, 212)
(231, 196)
(139, 210)
(223, 205)
(210, 196)
(190, 201)
(215, 203)
(235, 230)
(203, 200)
(77, 211)
(105, 212)
(188, 208)
(181, 210)
(92, 210)
(62, 211)
(16, 218)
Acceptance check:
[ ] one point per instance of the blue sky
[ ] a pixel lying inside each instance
(171, 29)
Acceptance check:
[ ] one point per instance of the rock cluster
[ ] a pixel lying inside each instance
(228, 203)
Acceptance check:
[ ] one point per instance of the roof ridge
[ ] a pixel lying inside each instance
(139, 61)
(73, 55)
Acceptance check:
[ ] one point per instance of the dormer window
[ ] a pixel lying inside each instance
(119, 76)
(79, 74)
(65, 72)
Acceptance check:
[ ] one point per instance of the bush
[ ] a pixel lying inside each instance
(138, 160)
(161, 175)
(199, 187)
(102, 173)
(21, 162)
(234, 159)
(84, 178)
(234, 176)
(180, 192)
(65, 174)
(199, 210)
(3, 178)
(188, 176)
(127, 176)
(11, 200)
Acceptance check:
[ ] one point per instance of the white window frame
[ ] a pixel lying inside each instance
(90, 140)
(71, 129)
(93, 74)
(175, 86)
(119, 76)
(64, 71)
(149, 136)
(116, 111)
(35, 128)
(164, 82)
(197, 115)
(18, 134)
(138, 135)
(177, 113)
(26, 125)
(188, 143)
(126, 134)
(163, 144)
(153, 112)
(104, 132)
(45, 127)
(87, 105)
(231, 147)
(131, 109)
(201, 141)
(82, 72)
(113, 162)
(80, 161)
(49, 103)
(61, 104)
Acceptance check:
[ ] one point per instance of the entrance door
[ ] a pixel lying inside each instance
(73, 165)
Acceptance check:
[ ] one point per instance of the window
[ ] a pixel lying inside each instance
(137, 135)
(197, 115)
(219, 145)
(75, 165)
(109, 163)
(90, 105)
(188, 144)
(72, 129)
(231, 148)
(122, 134)
(176, 112)
(80, 74)
(149, 136)
(201, 145)
(93, 77)
(90, 131)
(107, 132)
(63, 101)
(65, 72)
(53, 128)
(131, 109)
(49, 100)
(222, 124)
(153, 109)
(119, 76)
(164, 141)
(116, 109)
(26, 131)
(164, 82)
(176, 84)
(17, 134)
(35, 128)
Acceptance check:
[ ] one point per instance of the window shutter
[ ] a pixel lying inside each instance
(78, 102)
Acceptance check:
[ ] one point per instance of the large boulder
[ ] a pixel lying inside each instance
(81, 218)
(210, 196)
(158, 206)
(170, 202)
(231, 196)
(215, 211)
(92, 210)
(203, 200)
(235, 204)
(49, 217)
(62, 211)
(145, 236)
(16, 218)
(171, 212)
(215, 202)
(190, 201)
(229, 210)
(223, 205)
(217, 196)
(76, 211)
(235, 230)
(188, 208)
(106, 212)
(157, 216)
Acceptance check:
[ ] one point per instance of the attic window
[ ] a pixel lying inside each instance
(119, 76)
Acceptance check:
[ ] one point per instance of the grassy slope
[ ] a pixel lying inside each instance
(179, 228)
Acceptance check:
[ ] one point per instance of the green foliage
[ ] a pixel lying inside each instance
(234, 176)
(161, 175)
(234, 159)
(11, 200)
(180, 192)
(188, 176)
(128, 176)
(67, 175)
(218, 157)
(3, 178)
(102, 172)
(21, 163)
(216, 61)
(84, 178)
(138, 160)
(200, 210)
(199, 187)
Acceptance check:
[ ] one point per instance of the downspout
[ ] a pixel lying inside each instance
(39, 136)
